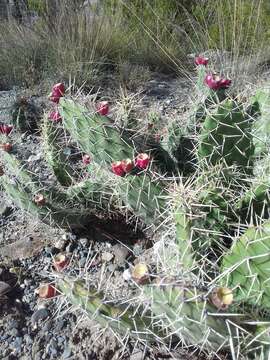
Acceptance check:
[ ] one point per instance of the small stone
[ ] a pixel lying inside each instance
(14, 332)
(127, 275)
(47, 326)
(33, 158)
(137, 355)
(40, 314)
(84, 242)
(28, 340)
(60, 244)
(82, 262)
(59, 325)
(4, 288)
(67, 151)
(107, 256)
(120, 253)
(67, 353)
(17, 344)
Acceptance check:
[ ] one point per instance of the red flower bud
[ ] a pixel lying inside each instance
(142, 161)
(215, 82)
(86, 159)
(5, 129)
(39, 200)
(60, 261)
(6, 147)
(46, 291)
(117, 168)
(103, 108)
(58, 91)
(55, 116)
(127, 165)
(200, 60)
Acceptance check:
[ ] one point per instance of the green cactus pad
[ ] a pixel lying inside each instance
(226, 136)
(123, 319)
(246, 267)
(54, 155)
(96, 135)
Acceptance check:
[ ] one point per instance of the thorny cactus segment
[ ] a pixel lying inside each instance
(245, 268)
(49, 214)
(91, 193)
(143, 196)
(226, 136)
(54, 155)
(188, 314)
(95, 134)
(123, 318)
(261, 128)
(184, 237)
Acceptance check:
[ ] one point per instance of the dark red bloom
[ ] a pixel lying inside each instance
(127, 165)
(200, 60)
(46, 291)
(60, 261)
(142, 161)
(6, 147)
(55, 116)
(5, 129)
(58, 91)
(86, 159)
(215, 82)
(103, 108)
(117, 168)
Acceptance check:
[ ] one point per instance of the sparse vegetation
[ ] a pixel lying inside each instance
(195, 188)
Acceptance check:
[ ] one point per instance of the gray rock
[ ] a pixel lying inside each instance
(4, 288)
(120, 253)
(67, 353)
(84, 242)
(40, 314)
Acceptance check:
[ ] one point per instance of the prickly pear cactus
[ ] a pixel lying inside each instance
(226, 136)
(245, 268)
(123, 319)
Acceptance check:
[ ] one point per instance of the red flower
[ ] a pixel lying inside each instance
(5, 129)
(60, 261)
(127, 165)
(103, 108)
(40, 200)
(55, 116)
(215, 82)
(117, 168)
(46, 291)
(86, 159)
(6, 147)
(58, 91)
(142, 161)
(200, 60)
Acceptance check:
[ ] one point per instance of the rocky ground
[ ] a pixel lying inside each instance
(36, 329)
